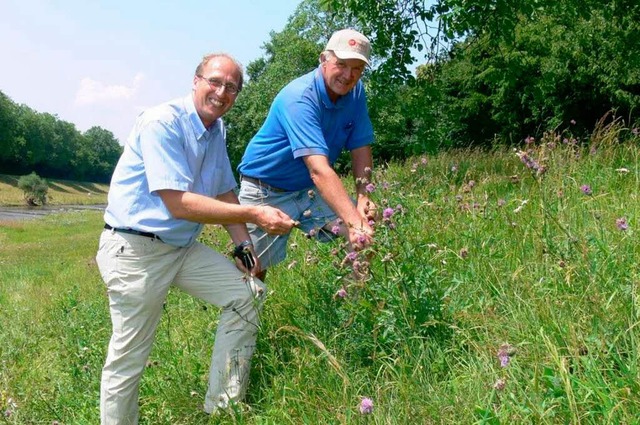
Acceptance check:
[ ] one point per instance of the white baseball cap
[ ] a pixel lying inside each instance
(350, 44)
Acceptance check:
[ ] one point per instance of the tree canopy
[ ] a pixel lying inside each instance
(33, 141)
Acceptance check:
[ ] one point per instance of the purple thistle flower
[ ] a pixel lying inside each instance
(342, 293)
(387, 213)
(586, 189)
(504, 354)
(622, 224)
(335, 229)
(370, 187)
(366, 406)
(351, 256)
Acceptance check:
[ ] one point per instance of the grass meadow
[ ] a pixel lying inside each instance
(61, 192)
(504, 289)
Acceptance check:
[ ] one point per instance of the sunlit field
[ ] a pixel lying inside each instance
(61, 192)
(503, 289)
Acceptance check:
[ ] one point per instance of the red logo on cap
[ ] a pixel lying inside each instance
(352, 42)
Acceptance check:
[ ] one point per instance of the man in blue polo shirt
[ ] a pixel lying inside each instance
(311, 121)
(174, 176)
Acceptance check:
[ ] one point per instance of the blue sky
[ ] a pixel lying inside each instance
(100, 63)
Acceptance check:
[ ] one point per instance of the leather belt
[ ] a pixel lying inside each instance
(260, 183)
(133, 232)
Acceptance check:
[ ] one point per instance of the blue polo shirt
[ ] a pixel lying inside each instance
(303, 121)
(168, 148)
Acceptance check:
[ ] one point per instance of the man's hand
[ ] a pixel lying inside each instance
(360, 237)
(367, 209)
(274, 221)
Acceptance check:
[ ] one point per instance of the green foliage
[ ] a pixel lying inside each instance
(499, 70)
(30, 140)
(555, 71)
(35, 189)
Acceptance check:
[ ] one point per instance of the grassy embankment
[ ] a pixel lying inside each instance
(498, 295)
(61, 192)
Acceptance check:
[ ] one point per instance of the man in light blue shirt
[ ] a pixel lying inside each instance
(310, 122)
(174, 176)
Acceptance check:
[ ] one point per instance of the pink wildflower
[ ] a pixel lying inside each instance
(366, 406)
(622, 224)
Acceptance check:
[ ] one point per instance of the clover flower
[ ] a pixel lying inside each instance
(366, 406)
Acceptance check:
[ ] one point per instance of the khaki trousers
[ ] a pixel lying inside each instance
(138, 272)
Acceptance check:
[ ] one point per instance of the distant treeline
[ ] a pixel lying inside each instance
(53, 148)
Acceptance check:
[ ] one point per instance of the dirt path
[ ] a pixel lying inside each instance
(27, 213)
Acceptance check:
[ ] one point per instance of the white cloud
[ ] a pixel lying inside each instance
(93, 92)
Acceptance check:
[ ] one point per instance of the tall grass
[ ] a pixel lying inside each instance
(501, 291)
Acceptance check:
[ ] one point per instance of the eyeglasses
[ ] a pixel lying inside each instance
(216, 83)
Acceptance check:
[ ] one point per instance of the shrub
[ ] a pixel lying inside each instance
(35, 189)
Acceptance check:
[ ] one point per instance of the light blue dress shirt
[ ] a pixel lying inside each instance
(168, 148)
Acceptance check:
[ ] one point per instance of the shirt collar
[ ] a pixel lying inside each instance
(201, 132)
(324, 95)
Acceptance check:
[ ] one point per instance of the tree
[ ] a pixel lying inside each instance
(35, 189)
(289, 54)
(509, 68)
(98, 155)
(8, 129)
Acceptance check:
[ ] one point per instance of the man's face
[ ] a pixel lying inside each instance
(341, 75)
(211, 90)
